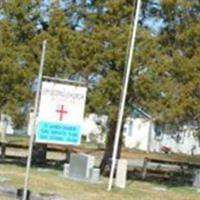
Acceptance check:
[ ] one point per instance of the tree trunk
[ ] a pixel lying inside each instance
(39, 153)
(3, 150)
(106, 161)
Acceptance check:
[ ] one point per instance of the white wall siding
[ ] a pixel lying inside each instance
(180, 142)
(139, 137)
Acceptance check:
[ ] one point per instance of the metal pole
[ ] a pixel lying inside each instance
(28, 165)
(123, 96)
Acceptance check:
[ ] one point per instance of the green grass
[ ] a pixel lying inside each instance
(6, 198)
(52, 181)
(17, 139)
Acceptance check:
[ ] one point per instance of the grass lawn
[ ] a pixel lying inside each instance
(52, 181)
(18, 139)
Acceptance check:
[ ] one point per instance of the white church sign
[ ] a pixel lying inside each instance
(61, 113)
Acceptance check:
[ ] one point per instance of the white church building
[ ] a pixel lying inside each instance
(140, 133)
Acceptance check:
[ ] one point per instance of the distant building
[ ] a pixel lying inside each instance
(6, 124)
(140, 133)
(95, 128)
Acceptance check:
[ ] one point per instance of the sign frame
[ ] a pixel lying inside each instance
(56, 124)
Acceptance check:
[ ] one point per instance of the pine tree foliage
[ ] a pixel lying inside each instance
(17, 63)
(173, 76)
(89, 40)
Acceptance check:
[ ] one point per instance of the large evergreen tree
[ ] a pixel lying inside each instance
(89, 40)
(17, 63)
(110, 27)
(173, 76)
(165, 76)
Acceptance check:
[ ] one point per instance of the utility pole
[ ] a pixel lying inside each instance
(123, 95)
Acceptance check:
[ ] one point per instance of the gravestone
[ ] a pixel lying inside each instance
(95, 175)
(80, 166)
(66, 170)
(8, 191)
(196, 182)
(121, 174)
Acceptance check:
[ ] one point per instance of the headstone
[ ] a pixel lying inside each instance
(47, 196)
(161, 189)
(196, 182)
(66, 170)
(95, 174)
(43, 170)
(80, 166)
(121, 174)
(8, 191)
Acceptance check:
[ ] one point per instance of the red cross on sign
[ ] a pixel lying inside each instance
(61, 111)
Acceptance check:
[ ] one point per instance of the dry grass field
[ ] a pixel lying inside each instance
(52, 182)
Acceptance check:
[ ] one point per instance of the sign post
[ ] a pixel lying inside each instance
(59, 109)
(28, 165)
